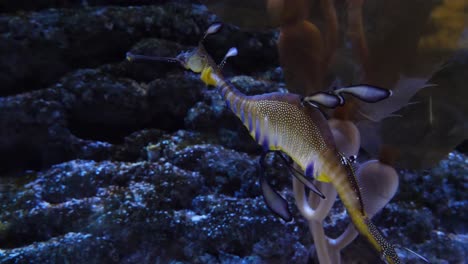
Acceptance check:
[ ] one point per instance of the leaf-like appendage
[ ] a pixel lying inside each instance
(403, 91)
(378, 183)
(346, 136)
(403, 55)
(426, 131)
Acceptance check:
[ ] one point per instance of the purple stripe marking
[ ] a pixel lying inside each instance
(257, 130)
(249, 116)
(234, 105)
(225, 90)
(242, 115)
(309, 172)
(276, 137)
(265, 144)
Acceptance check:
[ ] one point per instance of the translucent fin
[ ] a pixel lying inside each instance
(213, 29)
(275, 202)
(366, 93)
(417, 255)
(324, 99)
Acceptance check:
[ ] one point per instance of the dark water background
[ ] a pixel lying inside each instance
(107, 161)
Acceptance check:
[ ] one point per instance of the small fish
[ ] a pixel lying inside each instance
(366, 93)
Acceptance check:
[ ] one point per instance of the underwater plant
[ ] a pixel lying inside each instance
(405, 46)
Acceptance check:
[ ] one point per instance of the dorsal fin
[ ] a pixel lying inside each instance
(352, 178)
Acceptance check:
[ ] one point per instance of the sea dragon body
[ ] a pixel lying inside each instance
(285, 122)
(279, 121)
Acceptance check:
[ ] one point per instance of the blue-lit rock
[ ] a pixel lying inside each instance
(143, 211)
(39, 47)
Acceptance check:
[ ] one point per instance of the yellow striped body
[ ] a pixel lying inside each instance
(270, 117)
(281, 122)
(344, 181)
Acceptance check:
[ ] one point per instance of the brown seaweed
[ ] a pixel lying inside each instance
(398, 44)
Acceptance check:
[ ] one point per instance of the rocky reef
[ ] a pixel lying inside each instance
(106, 161)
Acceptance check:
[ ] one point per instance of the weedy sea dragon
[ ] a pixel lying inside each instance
(294, 125)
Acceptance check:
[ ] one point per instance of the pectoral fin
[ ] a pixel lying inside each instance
(366, 93)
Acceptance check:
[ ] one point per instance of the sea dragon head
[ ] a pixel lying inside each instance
(197, 60)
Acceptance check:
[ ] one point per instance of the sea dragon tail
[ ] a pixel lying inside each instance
(343, 178)
(386, 249)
